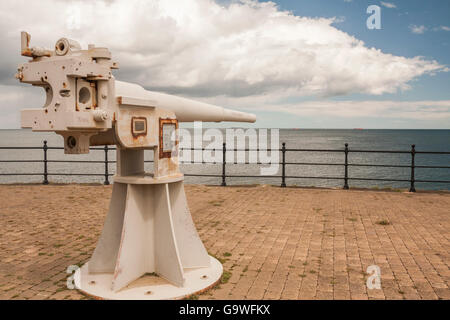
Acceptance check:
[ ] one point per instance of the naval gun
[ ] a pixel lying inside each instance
(148, 228)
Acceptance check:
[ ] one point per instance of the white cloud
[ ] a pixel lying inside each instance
(15, 98)
(417, 29)
(425, 110)
(389, 5)
(416, 110)
(202, 48)
(421, 110)
(441, 28)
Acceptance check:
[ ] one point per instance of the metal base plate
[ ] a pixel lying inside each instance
(149, 287)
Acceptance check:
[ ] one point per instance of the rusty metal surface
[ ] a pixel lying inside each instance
(162, 122)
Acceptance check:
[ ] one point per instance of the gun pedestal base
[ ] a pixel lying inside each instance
(148, 232)
(149, 287)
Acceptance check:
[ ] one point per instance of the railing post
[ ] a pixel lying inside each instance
(45, 148)
(413, 154)
(224, 161)
(346, 167)
(106, 166)
(283, 165)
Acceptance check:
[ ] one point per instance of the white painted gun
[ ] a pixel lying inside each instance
(87, 106)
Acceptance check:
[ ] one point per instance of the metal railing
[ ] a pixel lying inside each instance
(346, 178)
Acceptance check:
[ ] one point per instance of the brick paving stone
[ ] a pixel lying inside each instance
(285, 243)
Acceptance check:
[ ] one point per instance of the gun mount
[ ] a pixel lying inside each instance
(149, 228)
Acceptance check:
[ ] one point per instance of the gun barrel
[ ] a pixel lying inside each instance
(186, 110)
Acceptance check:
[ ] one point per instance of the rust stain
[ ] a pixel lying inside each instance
(76, 97)
(173, 165)
(119, 100)
(27, 52)
(167, 154)
(94, 95)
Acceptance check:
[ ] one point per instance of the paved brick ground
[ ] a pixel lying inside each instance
(275, 243)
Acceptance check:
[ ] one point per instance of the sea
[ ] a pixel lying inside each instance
(324, 139)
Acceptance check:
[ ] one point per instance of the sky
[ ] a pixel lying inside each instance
(295, 64)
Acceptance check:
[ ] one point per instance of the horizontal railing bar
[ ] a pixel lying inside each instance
(314, 177)
(221, 150)
(202, 162)
(379, 151)
(258, 163)
(433, 152)
(94, 149)
(20, 148)
(432, 167)
(21, 174)
(379, 165)
(21, 160)
(312, 150)
(433, 181)
(236, 176)
(211, 162)
(240, 176)
(74, 174)
(314, 164)
(202, 175)
(299, 150)
(78, 161)
(228, 176)
(380, 179)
